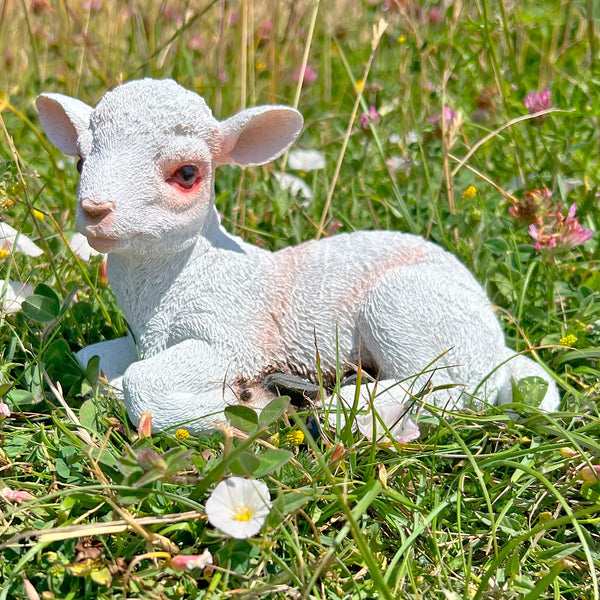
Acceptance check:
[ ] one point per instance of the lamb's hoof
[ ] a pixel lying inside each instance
(300, 390)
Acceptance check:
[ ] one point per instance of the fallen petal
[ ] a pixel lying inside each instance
(182, 562)
(12, 294)
(15, 495)
(13, 241)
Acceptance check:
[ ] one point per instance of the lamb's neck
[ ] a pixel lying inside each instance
(141, 283)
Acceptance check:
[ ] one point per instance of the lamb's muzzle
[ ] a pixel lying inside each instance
(207, 310)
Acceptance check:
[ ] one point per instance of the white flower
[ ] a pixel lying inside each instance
(384, 406)
(295, 185)
(81, 247)
(411, 138)
(398, 163)
(12, 241)
(306, 160)
(239, 507)
(12, 294)
(395, 417)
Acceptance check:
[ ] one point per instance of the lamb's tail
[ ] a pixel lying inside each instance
(522, 366)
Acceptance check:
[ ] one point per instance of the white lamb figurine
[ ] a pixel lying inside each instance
(212, 315)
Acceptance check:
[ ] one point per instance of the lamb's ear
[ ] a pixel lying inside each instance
(63, 119)
(258, 135)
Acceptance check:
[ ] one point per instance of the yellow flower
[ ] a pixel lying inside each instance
(259, 65)
(402, 39)
(470, 193)
(38, 214)
(360, 84)
(295, 437)
(182, 434)
(3, 253)
(569, 340)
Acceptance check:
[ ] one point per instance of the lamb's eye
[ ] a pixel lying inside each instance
(185, 177)
(80, 165)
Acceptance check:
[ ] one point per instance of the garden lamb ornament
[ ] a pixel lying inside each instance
(212, 316)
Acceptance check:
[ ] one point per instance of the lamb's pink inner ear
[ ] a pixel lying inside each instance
(63, 119)
(259, 135)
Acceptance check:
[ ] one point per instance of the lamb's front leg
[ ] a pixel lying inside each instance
(183, 385)
(115, 356)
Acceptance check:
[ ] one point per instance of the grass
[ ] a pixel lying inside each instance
(485, 504)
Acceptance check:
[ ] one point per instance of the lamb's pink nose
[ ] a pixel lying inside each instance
(97, 209)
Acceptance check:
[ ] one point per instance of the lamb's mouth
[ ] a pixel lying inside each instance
(104, 244)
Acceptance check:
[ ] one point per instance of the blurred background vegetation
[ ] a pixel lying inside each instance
(423, 114)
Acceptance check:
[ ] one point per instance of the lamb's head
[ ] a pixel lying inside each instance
(147, 157)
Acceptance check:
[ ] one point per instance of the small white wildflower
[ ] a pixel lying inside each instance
(81, 247)
(12, 294)
(295, 185)
(398, 163)
(395, 417)
(391, 410)
(239, 507)
(12, 241)
(411, 138)
(306, 160)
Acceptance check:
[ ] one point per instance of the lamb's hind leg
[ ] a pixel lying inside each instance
(415, 314)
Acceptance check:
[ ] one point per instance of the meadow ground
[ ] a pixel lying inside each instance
(427, 117)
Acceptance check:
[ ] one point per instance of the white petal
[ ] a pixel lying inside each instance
(411, 138)
(8, 236)
(295, 185)
(12, 294)
(398, 163)
(234, 494)
(395, 417)
(81, 247)
(306, 160)
(571, 184)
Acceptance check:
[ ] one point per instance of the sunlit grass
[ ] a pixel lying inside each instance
(484, 504)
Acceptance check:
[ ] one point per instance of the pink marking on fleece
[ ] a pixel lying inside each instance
(288, 263)
(367, 279)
